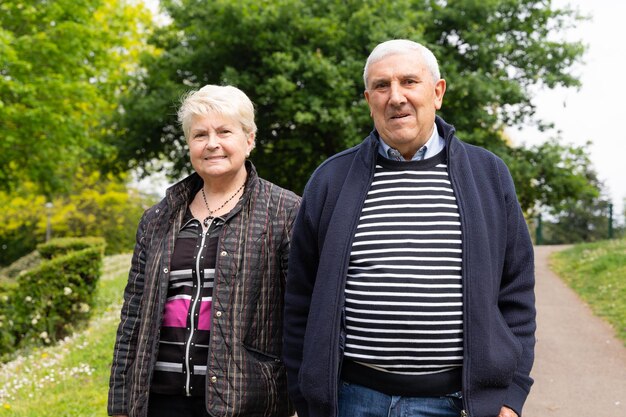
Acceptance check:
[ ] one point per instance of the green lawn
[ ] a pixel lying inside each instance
(69, 379)
(597, 272)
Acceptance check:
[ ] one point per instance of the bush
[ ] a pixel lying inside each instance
(26, 262)
(50, 301)
(61, 246)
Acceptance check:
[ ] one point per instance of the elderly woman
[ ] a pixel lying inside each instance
(201, 324)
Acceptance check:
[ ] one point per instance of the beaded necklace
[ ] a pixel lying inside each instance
(210, 217)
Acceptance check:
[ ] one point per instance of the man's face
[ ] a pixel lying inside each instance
(403, 98)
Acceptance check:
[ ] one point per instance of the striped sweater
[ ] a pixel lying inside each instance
(404, 305)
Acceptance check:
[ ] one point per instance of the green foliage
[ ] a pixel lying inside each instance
(96, 206)
(61, 246)
(102, 208)
(51, 300)
(551, 175)
(492, 52)
(62, 65)
(46, 381)
(596, 272)
(564, 189)
(26, 262)
(301, 63)
(22, 222)
(584, 220)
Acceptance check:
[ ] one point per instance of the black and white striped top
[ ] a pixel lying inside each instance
(184, 339)
(404, 306)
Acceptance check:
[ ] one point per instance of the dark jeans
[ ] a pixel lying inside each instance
(161, 405)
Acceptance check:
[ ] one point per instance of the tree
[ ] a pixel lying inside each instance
(578, 221)
(62, 66)
(582, 219)
(551, 175)
(301, 62)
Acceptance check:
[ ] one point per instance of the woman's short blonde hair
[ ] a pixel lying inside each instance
(225, 100)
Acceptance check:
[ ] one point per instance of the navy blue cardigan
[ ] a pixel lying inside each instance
(498, 279)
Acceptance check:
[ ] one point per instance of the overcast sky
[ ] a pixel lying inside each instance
(596, 112)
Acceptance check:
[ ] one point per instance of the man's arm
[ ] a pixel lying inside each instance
(516, 298)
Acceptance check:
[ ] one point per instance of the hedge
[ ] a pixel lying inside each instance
(50, 301)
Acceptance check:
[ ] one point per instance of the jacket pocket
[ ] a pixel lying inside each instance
(500, 359)
(266, 391)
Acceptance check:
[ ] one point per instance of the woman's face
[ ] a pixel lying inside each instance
(218, 146)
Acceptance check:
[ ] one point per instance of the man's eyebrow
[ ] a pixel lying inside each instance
(379, 79)
(401, 77)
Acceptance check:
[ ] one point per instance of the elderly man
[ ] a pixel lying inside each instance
(410, 289)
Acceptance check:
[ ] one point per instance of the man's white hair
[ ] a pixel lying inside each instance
(402, 46)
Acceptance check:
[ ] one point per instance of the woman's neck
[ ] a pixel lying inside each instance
(216, 186)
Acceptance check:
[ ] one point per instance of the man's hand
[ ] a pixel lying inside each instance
(507, 412)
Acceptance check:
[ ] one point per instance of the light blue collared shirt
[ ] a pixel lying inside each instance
(433, 146)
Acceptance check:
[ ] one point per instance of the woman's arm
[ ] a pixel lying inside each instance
(126, 340)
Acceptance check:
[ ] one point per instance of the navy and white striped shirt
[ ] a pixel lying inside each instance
(404, 307)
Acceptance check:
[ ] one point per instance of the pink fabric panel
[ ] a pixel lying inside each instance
(175, 313)
(205, 315)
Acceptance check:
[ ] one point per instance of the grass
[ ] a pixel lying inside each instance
(69, 379)
(597, 272)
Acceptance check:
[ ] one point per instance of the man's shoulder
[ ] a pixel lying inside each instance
(476, 152)
(330, 176)
(449, 133)
(340, 158)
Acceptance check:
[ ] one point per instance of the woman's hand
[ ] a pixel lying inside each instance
(507, 412)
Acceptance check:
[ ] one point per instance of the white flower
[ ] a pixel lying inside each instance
(67, 290)
(43, 335)
(83, 307)
(34, 321)
(28, 299)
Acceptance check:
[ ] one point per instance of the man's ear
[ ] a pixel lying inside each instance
(440, 90)
(367, 98)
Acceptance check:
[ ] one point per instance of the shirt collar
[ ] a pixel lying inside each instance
(434, 145)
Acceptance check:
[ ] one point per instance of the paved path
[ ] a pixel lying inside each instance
(580, 366)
